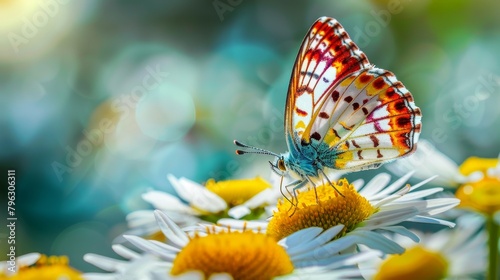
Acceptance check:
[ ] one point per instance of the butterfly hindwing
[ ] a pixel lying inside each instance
(374, 120)
(327, 56)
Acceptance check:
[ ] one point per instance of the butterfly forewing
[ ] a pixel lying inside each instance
(364, 114)
(327, 55)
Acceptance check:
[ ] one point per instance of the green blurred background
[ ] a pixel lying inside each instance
(99, 100)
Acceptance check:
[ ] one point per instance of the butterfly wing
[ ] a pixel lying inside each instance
(327, 55)
(363, 114)
(370, 118)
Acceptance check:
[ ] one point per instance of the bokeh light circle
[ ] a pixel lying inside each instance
(166, 113)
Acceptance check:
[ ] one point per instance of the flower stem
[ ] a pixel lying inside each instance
(493, 230)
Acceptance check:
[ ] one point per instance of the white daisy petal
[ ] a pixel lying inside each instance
(21, 261)
(103, 262)
(386, 200)
(376, 241)
(28, 259)
(171, 230)
(141, 243)
(327, 250)
(414, 187)
(208, 201)
(141, 268)
(319, 240)
(125, 252)
(376, 184)
(358, 184)
(197, 195)
(402, 231)
(152, 248)
(390, 217)
(267, 196)
(302, 236)
(140, 218)
(183, 188)
(354, 258)
(398, 184)
(439, 205)
(431, 220)
(239, 211)
(420, 194)
(164, 201)
(165, 247)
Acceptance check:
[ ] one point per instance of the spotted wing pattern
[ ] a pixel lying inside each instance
(327, 55)
(364, 114)
(373, 119)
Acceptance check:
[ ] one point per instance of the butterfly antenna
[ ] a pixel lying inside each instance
(254, 150)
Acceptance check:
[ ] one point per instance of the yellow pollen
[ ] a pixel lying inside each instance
(473, 164)
(236, 192)
(482, 196)
(52, 267)
(414, 264)
(243, 255)
(332, 210)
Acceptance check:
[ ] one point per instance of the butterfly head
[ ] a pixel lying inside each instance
(279, 165)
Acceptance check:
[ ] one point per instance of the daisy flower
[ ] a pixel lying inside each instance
(366, 211)
(220, 253)
(458, 253)
(477, 183)
(38, 266)
(239, 199)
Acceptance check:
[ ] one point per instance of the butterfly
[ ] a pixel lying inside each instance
(341, 111)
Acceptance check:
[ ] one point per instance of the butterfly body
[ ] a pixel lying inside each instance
(310, 159)
(342, 112)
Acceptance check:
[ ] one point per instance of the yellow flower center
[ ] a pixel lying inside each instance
(414, 264)
(243, 255)
(474, 164)
(236, 192)
(52, 267)
(333, 209)
(482, 196)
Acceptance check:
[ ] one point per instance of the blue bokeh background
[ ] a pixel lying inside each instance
(99, 100)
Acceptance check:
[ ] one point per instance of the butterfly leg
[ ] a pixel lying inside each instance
(296, 186)
(314, 186)
(294, 183)
(331, 184)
